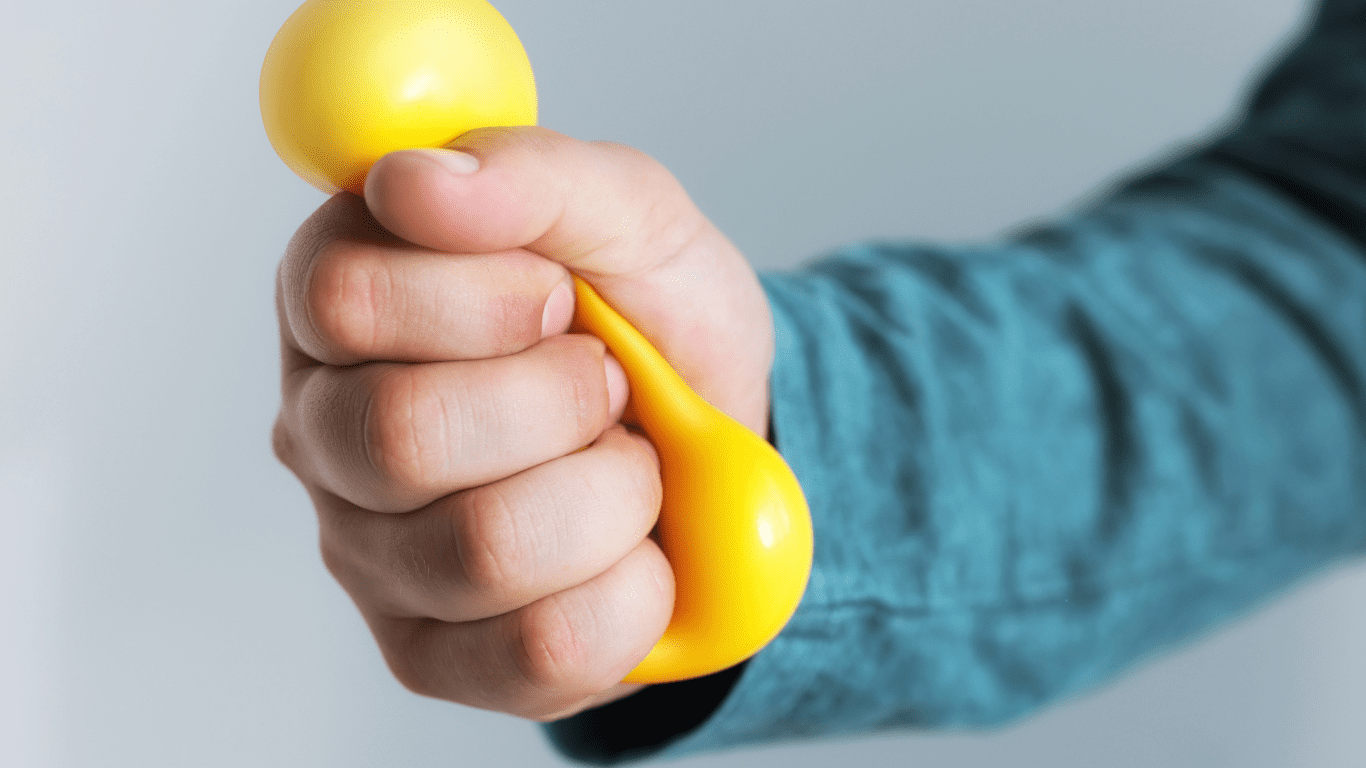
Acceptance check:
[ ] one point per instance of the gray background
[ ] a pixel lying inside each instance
(163, 603)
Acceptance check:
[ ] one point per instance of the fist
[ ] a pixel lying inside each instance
(477, 495)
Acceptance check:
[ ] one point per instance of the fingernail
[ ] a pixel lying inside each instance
(617, 387)
(559, 308)
(452, 161)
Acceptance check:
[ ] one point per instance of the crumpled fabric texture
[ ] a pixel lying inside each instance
(1034, 463)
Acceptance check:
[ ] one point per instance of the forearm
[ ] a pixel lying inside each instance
(1119, 432)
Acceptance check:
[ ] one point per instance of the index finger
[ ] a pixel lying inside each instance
(351, 292)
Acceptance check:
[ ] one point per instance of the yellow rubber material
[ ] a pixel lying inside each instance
(734, 522)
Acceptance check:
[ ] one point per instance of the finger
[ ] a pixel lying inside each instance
(544, 659)
(351, 292)
(496, 548)
(393, 438)
(601, 209)
(610, 214)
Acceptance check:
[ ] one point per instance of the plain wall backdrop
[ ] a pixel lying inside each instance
(162, 602)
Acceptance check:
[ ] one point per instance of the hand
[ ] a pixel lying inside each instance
(476, 496)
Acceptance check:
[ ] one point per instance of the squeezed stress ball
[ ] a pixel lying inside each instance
(347, 81)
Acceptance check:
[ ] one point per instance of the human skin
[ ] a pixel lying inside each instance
(477, 496)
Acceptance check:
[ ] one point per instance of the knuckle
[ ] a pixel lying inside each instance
(411, 575)
(408, 429)
(422, 656)
(337, 559)
(507, 311)
(409, 661)
(508, 322)
(582, 396)
(551, 653)
(345, 300)
(281, 444)
(495, 558)
(408, 676)
(379, 565)
(341, 544)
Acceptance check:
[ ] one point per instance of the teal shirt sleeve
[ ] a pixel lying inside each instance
(1033, 464)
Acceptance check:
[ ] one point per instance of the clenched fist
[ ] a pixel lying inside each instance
(476, 494)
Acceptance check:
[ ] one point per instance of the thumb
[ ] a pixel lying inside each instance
(613, 216)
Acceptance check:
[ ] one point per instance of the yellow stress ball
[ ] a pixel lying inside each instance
(347, 81)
